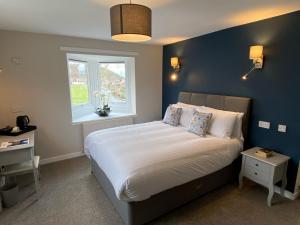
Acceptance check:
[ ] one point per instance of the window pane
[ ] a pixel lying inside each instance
(79, 82)
(112, 81)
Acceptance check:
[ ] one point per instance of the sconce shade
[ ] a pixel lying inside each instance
(130, 22)
(256, 52)
(174, 62)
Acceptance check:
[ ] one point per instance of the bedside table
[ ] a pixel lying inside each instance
(264, 171)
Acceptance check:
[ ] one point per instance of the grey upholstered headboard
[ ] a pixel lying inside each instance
(228, 103)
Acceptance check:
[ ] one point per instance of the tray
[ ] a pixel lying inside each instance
(28, 129)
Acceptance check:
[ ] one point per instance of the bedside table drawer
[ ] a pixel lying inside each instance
(257, 175)
(257, 165)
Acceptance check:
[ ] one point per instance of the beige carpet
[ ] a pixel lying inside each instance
(72, 196)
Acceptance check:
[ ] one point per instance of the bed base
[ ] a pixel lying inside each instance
(138, 213)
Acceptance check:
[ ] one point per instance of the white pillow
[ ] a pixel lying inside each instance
(222, 122)
(181, 104)
(187, 113)
(237, 130)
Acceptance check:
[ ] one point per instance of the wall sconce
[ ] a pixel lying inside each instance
(175, 63)
(256, 55)
(174, 77)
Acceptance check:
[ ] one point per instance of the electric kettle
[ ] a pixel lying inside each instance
(22, 122)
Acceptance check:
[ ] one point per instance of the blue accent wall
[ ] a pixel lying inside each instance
(214, 63)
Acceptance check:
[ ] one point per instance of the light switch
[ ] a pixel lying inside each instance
(264, 124)
(282, 128)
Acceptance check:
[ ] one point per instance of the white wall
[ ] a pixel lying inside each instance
(39, 86)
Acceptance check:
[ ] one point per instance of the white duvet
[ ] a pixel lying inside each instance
(144, 159)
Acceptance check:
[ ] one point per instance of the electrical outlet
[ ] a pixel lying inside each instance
(17, 60)
(282, 128)
(264, 124)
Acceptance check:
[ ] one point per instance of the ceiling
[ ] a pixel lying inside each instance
(173, 20)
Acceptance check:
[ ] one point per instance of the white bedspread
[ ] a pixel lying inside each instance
(144, 159)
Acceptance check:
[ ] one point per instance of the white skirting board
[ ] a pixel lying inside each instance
(61, 158)
(296, 193)
(287, 194)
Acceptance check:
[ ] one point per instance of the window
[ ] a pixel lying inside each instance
(113, 80)
(79, 82)
(112, 76)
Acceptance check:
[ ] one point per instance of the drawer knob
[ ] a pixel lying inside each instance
(255, 173)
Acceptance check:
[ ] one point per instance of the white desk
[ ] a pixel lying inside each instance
(20, 154)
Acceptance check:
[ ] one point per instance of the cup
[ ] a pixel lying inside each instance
(15, 130)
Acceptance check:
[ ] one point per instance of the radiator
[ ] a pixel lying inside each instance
(91, 126)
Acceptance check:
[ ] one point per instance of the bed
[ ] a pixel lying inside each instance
(147, 169)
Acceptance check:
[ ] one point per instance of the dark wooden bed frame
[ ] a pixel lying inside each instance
(138, 213)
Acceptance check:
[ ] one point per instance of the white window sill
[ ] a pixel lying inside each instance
(95, 117)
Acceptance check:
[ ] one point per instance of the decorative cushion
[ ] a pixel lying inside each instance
(199, 123)
(172, 115)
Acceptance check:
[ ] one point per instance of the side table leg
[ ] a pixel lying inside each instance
(284, 180)
(241, 173)
(270, 196)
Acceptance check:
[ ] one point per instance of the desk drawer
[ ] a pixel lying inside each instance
(258, 175)
(257, 165)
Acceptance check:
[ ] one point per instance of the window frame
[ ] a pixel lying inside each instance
(93, 62)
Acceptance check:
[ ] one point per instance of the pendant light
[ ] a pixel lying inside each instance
(130, 22)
